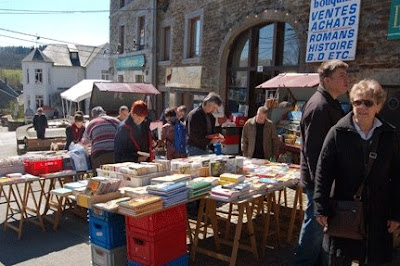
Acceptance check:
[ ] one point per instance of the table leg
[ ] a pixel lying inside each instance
(228, 222)
(238, 232)
(212, 214)
(250, 226)
(297, 197)
(48, 196)
(197, 231)
(36, 209)
(267, 220)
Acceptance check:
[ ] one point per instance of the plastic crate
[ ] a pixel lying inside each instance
(158, 249)
(43, 166)
(229, 131)
(108, 235)
(230, 149)
(232, 139)
(158, 222)
(105, 257)
(181, 261)
(105, 216)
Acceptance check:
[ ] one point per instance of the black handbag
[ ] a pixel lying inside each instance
(346, 218)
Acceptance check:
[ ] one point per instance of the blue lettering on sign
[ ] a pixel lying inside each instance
(131, 62)
(332, 30)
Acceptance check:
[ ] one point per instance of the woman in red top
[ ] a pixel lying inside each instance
(75, 132)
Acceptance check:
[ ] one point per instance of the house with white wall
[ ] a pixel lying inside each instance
(58, 67)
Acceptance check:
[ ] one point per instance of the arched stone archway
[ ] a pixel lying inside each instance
(248, 22)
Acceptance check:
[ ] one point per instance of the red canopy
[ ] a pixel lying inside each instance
(291, 80)
(142, 88)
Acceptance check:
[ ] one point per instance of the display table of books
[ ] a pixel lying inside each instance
(154, 207)
(17, 199)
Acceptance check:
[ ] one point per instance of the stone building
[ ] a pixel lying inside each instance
(231, 46)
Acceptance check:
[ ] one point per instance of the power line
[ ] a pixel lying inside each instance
(63, 12)
(40, 37)
(92, 52)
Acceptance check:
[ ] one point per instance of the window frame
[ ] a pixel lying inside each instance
(38, 99)
(141, 25)
(165, 53)
(189, 39)
(121, 39)
(38, 76)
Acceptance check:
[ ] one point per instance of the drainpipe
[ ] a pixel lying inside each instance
(154, 49)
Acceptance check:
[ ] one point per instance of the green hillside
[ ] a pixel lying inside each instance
(13, 76)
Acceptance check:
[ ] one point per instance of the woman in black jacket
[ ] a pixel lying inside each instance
(133, 140)
(343, 159)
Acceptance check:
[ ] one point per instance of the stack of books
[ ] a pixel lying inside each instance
(112, 205)
(102, 185)
(231, 178)
(134, 191)
(171, 193)
(175, 178)
(214, 181)
(198, 188)
(140, 205)
(224, 194)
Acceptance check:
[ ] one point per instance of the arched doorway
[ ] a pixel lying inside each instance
(258, 54)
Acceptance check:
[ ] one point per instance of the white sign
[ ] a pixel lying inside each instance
(183, 77)
(333, 30)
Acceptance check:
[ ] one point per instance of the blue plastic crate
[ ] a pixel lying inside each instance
(181, 261)
(105, 215)
(108, 235)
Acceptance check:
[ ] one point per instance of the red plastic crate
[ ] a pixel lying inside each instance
(44, 166)
(158, 222)
(158, 249)
(231, 139)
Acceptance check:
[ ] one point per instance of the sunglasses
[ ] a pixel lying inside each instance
(367, 103)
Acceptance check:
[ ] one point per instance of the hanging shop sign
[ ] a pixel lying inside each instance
(394, 21)
(130, 62)
(183, 77)
(333, 30)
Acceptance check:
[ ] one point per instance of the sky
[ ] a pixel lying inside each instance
(78, 28)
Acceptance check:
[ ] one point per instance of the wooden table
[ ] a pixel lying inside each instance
(208, 210)
(17, 203)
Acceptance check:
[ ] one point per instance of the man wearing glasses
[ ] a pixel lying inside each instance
(321, 112)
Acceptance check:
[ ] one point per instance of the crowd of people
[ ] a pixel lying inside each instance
(335, 153)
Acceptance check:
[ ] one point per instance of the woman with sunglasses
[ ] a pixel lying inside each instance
(343, 159)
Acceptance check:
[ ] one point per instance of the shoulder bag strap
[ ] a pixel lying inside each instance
(371, 158)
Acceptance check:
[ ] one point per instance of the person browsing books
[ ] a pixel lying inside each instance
(259, 137)
(200, 123)
(133, 140)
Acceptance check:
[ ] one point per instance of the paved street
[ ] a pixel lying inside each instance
(8, 143)
(69, 245)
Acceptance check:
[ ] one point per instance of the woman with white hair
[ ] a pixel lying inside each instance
(358, 142)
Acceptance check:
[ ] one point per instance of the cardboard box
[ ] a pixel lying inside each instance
(87, 201)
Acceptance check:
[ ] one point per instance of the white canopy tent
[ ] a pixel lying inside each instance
(77, 93)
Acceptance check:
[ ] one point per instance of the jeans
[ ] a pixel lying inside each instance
(310, 251)
(193, 151)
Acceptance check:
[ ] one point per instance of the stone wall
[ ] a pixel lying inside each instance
(226, 19)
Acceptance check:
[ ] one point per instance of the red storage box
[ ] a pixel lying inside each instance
(158, 222)
(239, 120)
(231, 139)
(158, 249)
(43, 166)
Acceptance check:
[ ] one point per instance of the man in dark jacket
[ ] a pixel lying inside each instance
(200, 123)
(321, 112)
(40, 123)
